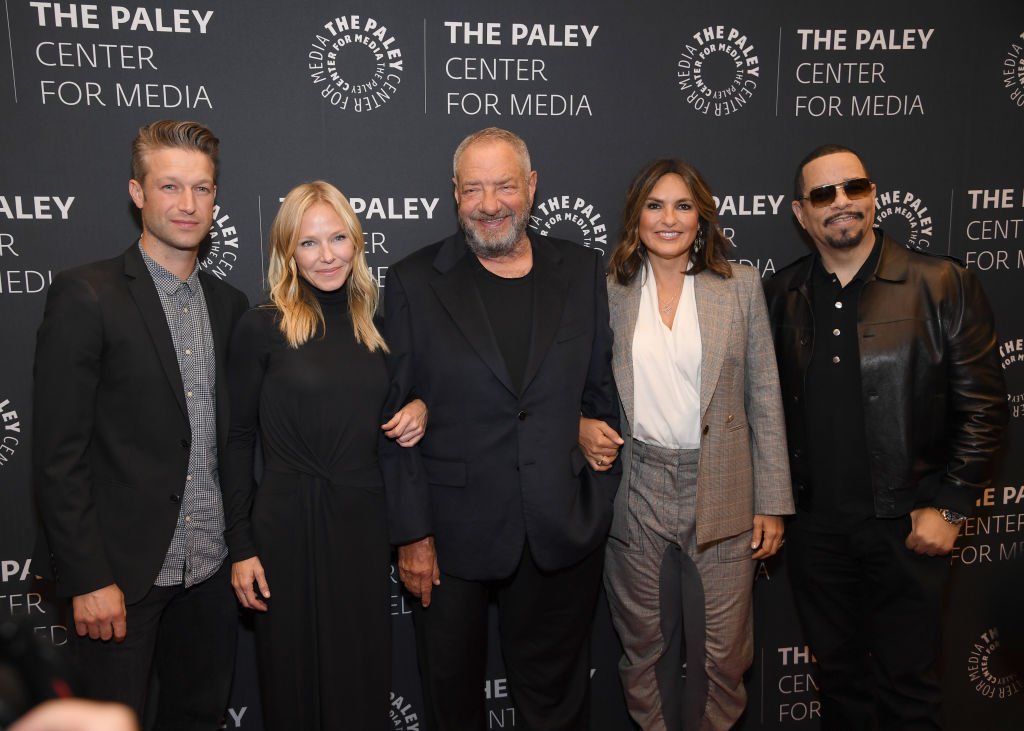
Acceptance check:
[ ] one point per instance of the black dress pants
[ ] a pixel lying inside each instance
(186, 636)
(544, 624)
(871, 611)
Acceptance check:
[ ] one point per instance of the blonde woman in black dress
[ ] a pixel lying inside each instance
(309, 545)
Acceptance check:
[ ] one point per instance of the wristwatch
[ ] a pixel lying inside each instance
(951, 516)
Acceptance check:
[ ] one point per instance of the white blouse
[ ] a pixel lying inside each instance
(666, 369)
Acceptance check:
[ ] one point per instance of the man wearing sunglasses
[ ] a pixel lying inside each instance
(895, 407)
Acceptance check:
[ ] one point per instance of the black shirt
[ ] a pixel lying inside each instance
(317, 408)
(509, 307)
(836, 441)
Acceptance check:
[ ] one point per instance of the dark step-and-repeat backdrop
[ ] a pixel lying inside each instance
(374, 95)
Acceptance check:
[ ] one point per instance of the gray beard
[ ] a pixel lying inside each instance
(494, 247)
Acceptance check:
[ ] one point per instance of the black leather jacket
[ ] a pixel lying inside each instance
(934, 396)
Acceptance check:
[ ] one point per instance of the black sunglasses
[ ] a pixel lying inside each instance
(824, 195)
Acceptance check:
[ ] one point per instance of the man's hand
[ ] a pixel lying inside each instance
(101, 614)
(599, 443)
(417, 568)
(243, 574)
(767, 538)
(409, 425)
(930, 534)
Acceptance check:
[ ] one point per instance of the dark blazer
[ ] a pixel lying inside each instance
(933, 392)
(496, 465)
(111, 434)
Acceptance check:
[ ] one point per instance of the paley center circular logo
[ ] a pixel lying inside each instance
(355, 62)
(1011, 357)
(905, 217)
(403, 716)
(219, 255)
(570, 217)
(10, 431)
(1013, 71)
(989, 670)
(718, 70)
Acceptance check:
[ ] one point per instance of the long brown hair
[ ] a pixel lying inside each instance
(301, 316)
(628, 257)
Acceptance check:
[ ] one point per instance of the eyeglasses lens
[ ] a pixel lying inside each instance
(826, 194)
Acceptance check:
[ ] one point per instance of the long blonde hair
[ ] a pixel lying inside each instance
(301, 316)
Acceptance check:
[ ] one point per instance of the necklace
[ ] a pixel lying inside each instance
(668, 305)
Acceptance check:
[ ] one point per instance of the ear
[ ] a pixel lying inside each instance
(455, 189)
(798, 211)
(136, 192)
(532, 183)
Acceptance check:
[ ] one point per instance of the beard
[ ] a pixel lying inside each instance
(488, 245)
(849, 238)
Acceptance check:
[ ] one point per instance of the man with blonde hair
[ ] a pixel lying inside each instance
(130, 412)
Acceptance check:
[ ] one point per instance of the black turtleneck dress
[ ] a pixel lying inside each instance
(316, 520)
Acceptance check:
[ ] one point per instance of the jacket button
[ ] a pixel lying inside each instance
(804, 341)
(705, 429)
(175, 498)
(796, 398)
(796, 454)
(729, 418)
(185, 444)
(521, 415)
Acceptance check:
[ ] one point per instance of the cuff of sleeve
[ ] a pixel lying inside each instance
(240, 547)
(957, 498)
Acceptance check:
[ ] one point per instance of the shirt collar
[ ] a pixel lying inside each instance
(167, 282)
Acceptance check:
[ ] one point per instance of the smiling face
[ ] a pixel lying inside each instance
(669, 221)
(324, 252)
(176, 198)
(844, 223)
(494, 194)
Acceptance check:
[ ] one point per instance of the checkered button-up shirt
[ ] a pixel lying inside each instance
(197, 548)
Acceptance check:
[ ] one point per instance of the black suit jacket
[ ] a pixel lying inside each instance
(111, 434)
(497, 466)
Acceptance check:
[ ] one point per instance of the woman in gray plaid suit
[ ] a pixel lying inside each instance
(705, 473)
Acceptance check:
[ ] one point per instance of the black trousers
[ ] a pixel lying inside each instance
(544, 624)
(187, 637)
(871, 610)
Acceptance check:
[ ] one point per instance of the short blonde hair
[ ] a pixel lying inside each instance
(301, 315)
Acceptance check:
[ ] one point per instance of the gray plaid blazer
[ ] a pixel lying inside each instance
(743, 468)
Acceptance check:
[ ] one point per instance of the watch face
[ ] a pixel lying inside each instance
(952, 517)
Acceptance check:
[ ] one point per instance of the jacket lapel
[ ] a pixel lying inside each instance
(219, 312)
(624, 308)
(549, 290)
(143, 291)
(458, 294)
(714, 315)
